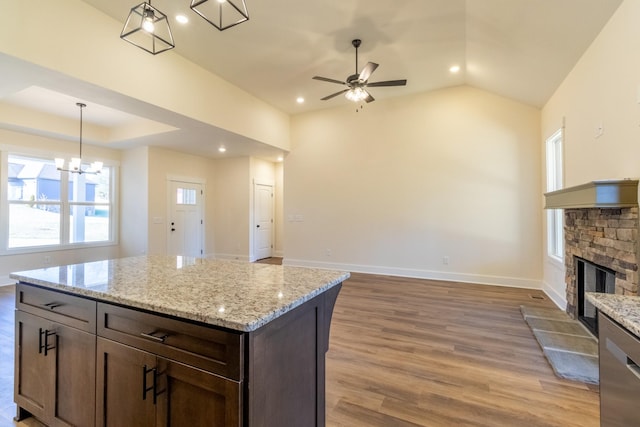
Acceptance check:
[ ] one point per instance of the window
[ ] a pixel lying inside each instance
(555, 230)
(47, 207)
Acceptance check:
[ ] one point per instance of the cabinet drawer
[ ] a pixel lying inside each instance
(66, 309)
(208, 348)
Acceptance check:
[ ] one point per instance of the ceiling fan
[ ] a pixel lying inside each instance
(356, 83)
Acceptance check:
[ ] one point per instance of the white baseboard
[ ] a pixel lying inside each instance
(6, 280)
(420, 274)
(559, 300)
(233, 257)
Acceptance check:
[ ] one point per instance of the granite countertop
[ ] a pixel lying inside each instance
(236, 295)
(623, 309)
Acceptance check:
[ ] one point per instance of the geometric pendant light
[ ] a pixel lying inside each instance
(222, 14)
(148, 28)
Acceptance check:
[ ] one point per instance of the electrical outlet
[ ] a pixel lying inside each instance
(445, 260)
(327, 252)
(47, 260)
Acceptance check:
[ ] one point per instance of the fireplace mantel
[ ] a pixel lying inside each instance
(595, 194)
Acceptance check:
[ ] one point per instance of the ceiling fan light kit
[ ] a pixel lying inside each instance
(148, 28)
(222, 14)
(356, 83)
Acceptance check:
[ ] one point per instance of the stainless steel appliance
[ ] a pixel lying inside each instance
(619, 375)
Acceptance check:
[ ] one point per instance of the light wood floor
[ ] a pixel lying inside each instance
(408, 352)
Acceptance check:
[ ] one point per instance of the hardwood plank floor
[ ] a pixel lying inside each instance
(409, 352)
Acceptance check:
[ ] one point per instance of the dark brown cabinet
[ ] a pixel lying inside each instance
(136, 387)
(82, 362)
(55, 366)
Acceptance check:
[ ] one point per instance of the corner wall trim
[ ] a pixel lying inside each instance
(554, 296)
(420, 274)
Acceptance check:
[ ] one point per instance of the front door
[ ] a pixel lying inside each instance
(185, 219)
(263, 214)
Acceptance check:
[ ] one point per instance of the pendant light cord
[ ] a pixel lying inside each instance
(81, 105)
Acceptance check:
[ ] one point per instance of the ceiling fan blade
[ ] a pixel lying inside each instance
(333, 94)
(367, 71)
(369, 98)
(325, 79)
(388, 83)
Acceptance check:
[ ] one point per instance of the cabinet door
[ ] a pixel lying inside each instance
(33, 376)
(125, 386)
(73, 396)
(190, 397)
(55, 371)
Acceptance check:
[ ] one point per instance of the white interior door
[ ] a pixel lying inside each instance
(186, 215)
(263, 218)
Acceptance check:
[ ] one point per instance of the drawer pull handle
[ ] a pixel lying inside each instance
(53, 305)
(145, 389)
(154, 337)
(44, 347)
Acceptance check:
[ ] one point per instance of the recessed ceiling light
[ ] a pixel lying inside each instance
(182, 19)
(222, 149)
(454, 68)
(300, 100)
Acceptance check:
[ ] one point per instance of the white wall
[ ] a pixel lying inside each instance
(18, 142)
(602, 89)
(408, 181)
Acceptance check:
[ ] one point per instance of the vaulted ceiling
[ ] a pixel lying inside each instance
(520, 49)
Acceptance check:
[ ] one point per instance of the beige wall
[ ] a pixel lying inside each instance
(21, 143)
(279, 209)
(602, 89)
(409, 181)
(232, 186)
(87, 48)
(134, 207)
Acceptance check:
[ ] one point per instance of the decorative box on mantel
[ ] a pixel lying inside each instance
(601, 226)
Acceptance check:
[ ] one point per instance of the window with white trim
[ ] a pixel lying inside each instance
(47, 208)
(555, 228)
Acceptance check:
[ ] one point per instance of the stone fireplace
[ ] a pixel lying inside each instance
(601, 227)
(607, 237)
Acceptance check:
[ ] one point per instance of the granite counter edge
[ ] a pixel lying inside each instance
(241, 325)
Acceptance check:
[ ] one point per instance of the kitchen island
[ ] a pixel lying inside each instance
(162, 340)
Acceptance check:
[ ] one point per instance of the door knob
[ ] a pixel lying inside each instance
(258, 226)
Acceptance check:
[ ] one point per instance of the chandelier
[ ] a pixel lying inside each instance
(75, 165)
